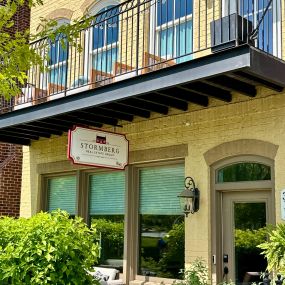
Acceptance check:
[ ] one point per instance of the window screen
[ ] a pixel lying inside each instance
(62, 194)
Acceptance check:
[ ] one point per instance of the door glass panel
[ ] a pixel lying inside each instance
(249, 230)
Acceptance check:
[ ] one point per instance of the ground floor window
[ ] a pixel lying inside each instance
(106, 210)
(156, 222)
(61, 194)
(161, 225)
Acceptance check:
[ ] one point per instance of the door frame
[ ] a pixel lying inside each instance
(228, 200)
(216, 204)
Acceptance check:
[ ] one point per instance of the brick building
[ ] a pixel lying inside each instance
(198, 91)
(11, 154)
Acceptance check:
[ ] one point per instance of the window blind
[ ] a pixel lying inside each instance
(62, 194)
(159, 187)
(107, 193)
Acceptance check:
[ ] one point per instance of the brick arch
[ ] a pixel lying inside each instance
(241, 147)
(60, 13)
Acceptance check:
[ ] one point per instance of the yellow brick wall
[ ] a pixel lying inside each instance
(262, 118)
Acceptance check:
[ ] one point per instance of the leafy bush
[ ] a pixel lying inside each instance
(274, 248)
(173, 255)
(249, 239)
(112, 238)
(170, 258)
(46, 249)
(195, 274)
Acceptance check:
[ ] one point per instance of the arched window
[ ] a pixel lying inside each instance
(104, 44)
(57, 61)
(243, 171)
(173, 26)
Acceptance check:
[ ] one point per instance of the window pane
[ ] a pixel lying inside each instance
(166, 43)
(98, 35)
(104, 61)
(53, 52)
(164, 11)
(184, 42)
(62, 194)
(112, 26)
(253, 11)
(161, 221)
(58, 75)
(106, 208)
(63, 46)
(246, 7)
(107, 193)
(58, 50)
(245, 171)
(183, 8)
(111, 239)
(265, 40)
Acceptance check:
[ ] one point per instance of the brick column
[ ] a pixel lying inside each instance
(11, 155)
(10, 179)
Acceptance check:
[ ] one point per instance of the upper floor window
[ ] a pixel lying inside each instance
(105, 36)
(244, 171)
(58, 57)
(269, 35)
(173, 29)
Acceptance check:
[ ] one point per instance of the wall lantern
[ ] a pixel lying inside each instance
(190, 197)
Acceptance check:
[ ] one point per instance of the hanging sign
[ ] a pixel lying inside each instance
(97, 148)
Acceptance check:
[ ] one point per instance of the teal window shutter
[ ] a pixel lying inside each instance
(107, 193)
(159, 187)
(62, 194)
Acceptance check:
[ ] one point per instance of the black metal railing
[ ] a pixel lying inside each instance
(137, 37)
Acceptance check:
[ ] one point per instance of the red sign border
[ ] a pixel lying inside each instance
(93, 165)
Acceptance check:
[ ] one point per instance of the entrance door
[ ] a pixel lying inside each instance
(244, 217)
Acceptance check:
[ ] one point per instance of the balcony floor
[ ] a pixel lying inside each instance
(239, 69)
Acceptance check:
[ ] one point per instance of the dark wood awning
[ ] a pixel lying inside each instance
(239, 69)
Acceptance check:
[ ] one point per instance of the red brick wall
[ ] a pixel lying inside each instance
(22, 19)
(11, 155)
(10, 179)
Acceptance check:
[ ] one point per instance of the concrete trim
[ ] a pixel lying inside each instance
(158, 154)
(58, 167)
(241, 147)
(60, 13)
(138, 156)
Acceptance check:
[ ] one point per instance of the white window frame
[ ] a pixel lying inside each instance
(155, 30)
(89, 51)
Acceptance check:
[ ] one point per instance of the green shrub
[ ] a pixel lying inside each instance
(274, 249)
(46, 249)
(195, 274)
(112, 238)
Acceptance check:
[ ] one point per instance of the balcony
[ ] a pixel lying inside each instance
(148, 56)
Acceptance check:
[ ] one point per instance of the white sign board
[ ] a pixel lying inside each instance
(283, 204)
(97, 148)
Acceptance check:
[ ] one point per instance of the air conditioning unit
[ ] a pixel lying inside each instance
(230, 31)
